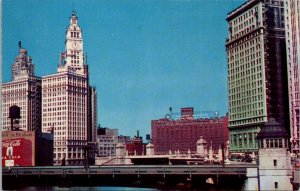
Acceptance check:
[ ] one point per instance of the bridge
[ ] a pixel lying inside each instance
(129, 170)
(128, 174)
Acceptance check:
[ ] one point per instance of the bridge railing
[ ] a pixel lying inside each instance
(129, 170)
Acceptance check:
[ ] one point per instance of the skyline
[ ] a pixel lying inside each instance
(179, 44)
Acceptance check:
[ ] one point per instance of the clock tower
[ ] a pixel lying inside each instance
(73, 57)
(69, 101)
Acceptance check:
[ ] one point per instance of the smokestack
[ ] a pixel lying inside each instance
(138, 133)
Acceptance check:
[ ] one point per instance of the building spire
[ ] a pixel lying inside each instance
(22, 67)
(73, 57)
(73, 9)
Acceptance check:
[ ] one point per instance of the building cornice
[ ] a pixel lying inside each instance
(241, 9)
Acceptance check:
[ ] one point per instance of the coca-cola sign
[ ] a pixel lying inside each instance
(18, 148)
(11, 143)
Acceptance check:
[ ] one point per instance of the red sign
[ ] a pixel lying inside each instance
(18, 152)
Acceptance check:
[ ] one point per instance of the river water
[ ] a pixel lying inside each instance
(100, 188)
(110, 188)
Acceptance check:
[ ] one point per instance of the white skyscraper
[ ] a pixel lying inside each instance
(23, 91)
(292, 28)
(66, 100)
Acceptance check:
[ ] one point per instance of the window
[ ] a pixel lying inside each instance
(280, 143)
(275, 162)
(271, 143)
(276, 143)
(276, 185)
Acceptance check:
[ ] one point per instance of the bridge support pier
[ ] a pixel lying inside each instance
(251, 183)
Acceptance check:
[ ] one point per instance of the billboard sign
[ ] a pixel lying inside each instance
(18, 148)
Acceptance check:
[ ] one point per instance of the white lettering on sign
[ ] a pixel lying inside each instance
(14, 143)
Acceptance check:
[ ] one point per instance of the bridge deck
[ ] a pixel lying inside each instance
(130, 170)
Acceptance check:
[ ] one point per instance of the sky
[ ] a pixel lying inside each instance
(144, 56)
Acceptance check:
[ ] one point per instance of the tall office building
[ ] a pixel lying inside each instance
(23, 91)
(66, 100)
(257, 72)
(292, 27)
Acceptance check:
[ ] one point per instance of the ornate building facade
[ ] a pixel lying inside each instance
(257, 71)
(23, 91)
(66, 100)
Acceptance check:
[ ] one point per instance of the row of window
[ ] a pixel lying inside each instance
(189, 122)
(240, 65)
(246, 114)
(244, 16)
(273, 143)
(245, 120)
(56, 106)
(247, 90)
(74, 34)
(244, 140)
(244, 65)
(55, 122)
(244, 25)
(78, 136)
(14, 93)
(54, 82)
(193, 127)
(245, 98)
(249, 108)
(74, 61)
(101, 148)
(15, 87)
(250, 89)
(59, 156)
(244, 44)
(64, 89)
(247, 76)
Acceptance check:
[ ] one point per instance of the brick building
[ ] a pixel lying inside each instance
(135, 146)
(182, 134)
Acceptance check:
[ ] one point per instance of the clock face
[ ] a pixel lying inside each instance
(75, 44)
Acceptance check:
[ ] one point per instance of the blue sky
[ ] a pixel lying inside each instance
(144, 56)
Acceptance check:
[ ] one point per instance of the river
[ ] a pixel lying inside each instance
(95, 188)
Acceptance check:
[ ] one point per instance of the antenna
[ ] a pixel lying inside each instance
(73, 9)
